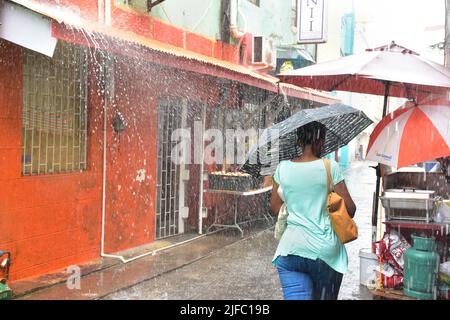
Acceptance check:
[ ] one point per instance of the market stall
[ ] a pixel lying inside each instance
(413, 250)
(412, 134)
(412, 256)
(238, 185)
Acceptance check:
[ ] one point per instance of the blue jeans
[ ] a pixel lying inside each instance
(306, 279)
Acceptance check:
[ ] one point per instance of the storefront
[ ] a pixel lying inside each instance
(86, 168)
(415, 243)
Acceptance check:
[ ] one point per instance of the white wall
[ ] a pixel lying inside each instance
(331, 49)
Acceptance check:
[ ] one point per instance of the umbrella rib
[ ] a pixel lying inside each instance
(354, 74)
(336, 135)
(342, 124)
(341, 82)
(434, 67)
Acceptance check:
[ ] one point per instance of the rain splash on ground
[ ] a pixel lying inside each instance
(243, 270)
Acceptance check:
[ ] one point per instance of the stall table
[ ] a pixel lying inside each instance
(438, 230)
(237, 195)
(389, 294)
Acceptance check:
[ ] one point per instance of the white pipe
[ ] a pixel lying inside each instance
(241, 13)
(122, 258)
(108, 12)
(102, 253)
(233, 13)
(202, 167)
(105, 126)
(234, 9)
(104, 177)
(101, 11)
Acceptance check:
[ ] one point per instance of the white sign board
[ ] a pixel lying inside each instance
(312, 21)
(26, 28)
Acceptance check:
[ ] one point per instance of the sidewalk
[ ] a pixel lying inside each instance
(243, 270)
(106, 276)
(240, 271)
(218, 266)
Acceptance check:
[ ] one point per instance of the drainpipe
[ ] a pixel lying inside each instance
(101, 11)
(105, 127)
(202, 168)
(108, 12)
(102, 253)
(104, 11)
(234, 10)
(239, 36)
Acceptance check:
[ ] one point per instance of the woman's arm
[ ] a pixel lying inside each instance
(275, 200)
(341, 189)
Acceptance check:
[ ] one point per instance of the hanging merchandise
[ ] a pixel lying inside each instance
(392, 248)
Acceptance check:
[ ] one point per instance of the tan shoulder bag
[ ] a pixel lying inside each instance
(343, 225)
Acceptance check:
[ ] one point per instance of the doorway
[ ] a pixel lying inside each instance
(172, 178)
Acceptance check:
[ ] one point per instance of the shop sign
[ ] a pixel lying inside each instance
(312, 22)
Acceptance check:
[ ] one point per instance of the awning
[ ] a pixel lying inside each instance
(71, 27)
(14, 19)
(294, 53)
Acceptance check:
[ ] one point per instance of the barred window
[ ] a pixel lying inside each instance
(54, 114)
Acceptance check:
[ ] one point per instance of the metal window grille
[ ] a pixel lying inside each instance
(54, 115)
(168, 172)
(249, 116)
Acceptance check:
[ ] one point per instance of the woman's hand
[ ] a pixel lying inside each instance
(275, 200)
(341, 189)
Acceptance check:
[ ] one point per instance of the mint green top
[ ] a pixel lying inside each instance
(309, 232)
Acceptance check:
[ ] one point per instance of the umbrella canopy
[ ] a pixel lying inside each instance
(411, 134)
(390, 70)
(409, 75)
(279, 142)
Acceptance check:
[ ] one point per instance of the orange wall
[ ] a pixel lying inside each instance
(150, 27)
(52, 221)
(47, 221)
(130, 210)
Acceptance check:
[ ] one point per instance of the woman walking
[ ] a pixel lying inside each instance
(310, 258)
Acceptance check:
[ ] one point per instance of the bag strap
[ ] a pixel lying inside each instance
(279, 169)
(328, 169)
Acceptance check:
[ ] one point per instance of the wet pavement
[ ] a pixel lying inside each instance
(220, 266)
(360, 180)
(106, 276)
(243, 269)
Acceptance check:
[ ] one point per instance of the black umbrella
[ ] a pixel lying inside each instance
(279, 142)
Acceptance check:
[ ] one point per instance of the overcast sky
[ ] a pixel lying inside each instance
(415, 24)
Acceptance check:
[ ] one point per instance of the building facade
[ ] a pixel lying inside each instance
(86, 167)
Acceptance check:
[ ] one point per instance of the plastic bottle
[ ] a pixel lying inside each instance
(439, 217)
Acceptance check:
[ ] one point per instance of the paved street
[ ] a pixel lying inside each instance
(243, 270)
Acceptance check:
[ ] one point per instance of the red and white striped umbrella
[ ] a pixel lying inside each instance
(411, 134)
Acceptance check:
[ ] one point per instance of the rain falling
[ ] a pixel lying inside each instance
(224, 150)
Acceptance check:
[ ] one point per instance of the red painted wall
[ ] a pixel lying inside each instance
(47, 221)
(130, 210)
(150, 27)
(52, 221)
